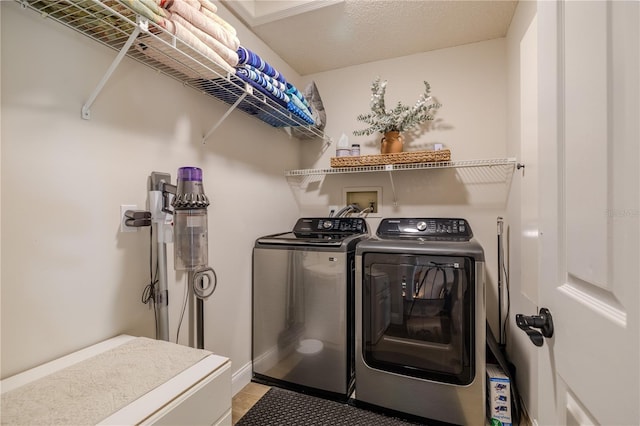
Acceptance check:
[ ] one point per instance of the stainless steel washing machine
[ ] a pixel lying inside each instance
(303, 306)
(420, 320)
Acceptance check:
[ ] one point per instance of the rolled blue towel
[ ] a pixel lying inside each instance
(259, 78)
(280, 85)
(293, 90)
(246, 56)
(297, 102)
(262, 90)
(297, 111)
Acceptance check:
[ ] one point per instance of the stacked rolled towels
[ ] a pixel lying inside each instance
(258, 72)
(196, 23)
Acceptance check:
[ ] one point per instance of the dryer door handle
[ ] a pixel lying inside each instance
(543, 321)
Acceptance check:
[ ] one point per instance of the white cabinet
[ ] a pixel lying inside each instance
(123, 380)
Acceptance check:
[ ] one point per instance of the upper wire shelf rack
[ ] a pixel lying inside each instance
(507, 163)
(113, 24)
(489, 171)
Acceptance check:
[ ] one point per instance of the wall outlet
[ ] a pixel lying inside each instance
(123, 226)
(333, 210)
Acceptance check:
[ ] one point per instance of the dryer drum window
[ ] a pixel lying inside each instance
(418, 313)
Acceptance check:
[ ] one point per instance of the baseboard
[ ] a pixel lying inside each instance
(241, 378)
(268, 359)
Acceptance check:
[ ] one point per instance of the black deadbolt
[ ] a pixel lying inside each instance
(543, 321)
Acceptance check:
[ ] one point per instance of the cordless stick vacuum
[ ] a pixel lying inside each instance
(191, 242)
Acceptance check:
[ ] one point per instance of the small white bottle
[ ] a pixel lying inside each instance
(355, 150)
(342, 149)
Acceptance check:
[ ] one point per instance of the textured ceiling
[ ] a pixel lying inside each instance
(353, 32)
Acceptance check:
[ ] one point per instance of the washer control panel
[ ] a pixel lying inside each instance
(322, 225)
(445, 228)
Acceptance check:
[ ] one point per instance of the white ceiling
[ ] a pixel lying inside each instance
(320, 35)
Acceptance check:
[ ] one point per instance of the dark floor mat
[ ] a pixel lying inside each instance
(280, 407)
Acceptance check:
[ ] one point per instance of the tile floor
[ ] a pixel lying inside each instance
(245, 399)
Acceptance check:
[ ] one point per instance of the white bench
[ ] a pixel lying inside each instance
(123, 381)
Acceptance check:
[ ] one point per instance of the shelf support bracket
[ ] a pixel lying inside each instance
(226, 114)
(86, 108)
(389, 168)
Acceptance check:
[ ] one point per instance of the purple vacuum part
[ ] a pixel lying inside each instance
(190, 173)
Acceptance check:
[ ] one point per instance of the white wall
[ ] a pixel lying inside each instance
(470, 82)
(69, 277)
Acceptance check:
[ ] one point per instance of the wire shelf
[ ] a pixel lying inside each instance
(112, 23)
(471, 172)
(507, 163)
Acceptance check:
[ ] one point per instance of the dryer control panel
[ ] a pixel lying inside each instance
(438, 228)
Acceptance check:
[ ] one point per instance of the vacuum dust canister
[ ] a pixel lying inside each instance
(190, 221)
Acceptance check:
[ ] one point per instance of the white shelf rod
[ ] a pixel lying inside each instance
(393, 188)
(143, 24)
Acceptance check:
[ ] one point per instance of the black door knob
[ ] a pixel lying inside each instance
(543, 322)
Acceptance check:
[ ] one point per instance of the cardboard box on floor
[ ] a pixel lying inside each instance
(498, 396)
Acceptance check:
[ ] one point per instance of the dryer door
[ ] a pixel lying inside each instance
(418, 316)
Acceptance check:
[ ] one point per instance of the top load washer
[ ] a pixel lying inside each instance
(420, 320)
(303, 306)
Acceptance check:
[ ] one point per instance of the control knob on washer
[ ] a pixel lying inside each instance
(326, 224)
(421, 226)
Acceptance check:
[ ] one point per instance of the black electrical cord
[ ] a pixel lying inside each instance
(184, 308)
(503, 322)
(149, 292)
(506, 317)
(424, 278)
(443, 291)
(417, 290)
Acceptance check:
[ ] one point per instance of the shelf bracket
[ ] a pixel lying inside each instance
(143, 24)
(226, 114)
(389, 168)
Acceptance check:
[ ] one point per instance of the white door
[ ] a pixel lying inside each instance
(589, 56)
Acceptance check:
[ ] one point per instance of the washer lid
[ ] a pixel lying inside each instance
(321, 231)
(290, 238)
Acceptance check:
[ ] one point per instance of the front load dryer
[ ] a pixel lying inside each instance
(420, 320)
